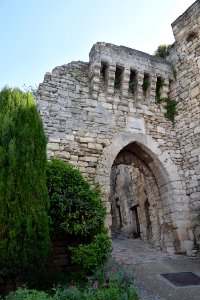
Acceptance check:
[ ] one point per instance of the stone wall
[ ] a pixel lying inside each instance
(94, 111)
(185, 60)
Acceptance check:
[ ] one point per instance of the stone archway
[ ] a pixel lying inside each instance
(174, 227)
(136, 208)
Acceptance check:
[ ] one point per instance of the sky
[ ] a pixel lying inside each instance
(38, 35)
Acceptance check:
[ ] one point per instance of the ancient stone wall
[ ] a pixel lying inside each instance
(185, 60)
(93, 111)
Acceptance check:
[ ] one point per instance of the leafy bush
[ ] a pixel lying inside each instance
(24, 232)
(111, 281)
(26, 294)
(75, 293)
(145, 85)
(170, 107)
(113, 273)
(77, 212)
(75, 207)
(163, 51)
(90, 256)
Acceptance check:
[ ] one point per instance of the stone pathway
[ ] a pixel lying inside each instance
(136, 251)
(149, 264)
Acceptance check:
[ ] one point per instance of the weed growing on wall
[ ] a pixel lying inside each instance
(169, 104)
(145, 85)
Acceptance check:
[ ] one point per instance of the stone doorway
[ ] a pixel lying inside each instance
(161, 204)
(136, 207)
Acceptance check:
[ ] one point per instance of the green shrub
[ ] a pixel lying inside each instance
(75, 207)
(26, 294)
(163, 51)
(77, 212)
(70, 293)
(113, 273)
(24, 232)
(111, 281)
(145, 85)
(90, 256)
(170, 106)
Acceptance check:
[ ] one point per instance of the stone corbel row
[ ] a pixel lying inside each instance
(138, 92)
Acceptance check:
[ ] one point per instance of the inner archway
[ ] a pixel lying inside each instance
(166, 196)
(135, 198)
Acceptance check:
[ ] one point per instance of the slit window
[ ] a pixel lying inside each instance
(159, 86)
(104, 71)
(118, 78)
(146, 83)
(191, 36)
(132, 82)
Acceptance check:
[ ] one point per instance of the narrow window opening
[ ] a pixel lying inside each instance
(104, 70)
(103, 76)
(118, 78)
(132, 82)
(159, 86)
(145, 84)
(191, 36)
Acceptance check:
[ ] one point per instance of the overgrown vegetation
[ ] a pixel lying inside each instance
(163, 51)
(39, 197)
(76, 210)
(111, 281)
(169, 104)
(145, 84)
(24, 232)
(159, 85)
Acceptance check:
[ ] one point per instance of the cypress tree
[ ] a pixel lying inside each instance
(24, 232)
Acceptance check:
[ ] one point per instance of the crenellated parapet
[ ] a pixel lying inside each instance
(127, 73)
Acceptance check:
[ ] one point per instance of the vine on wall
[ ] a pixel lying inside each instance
(169, 104)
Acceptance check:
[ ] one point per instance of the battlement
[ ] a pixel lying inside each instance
(127, 72)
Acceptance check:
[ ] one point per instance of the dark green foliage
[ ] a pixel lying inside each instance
(159, 85)
(163, 51)
(26, 294)
(170, 107)
(75, 207)
(77, 212)
(90, 256)
(145, 85)
(111, 281)
(24, 234)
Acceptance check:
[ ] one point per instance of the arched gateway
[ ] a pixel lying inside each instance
(109, 118)
(159, 206)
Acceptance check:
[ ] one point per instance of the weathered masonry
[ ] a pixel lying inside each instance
(103, 117)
